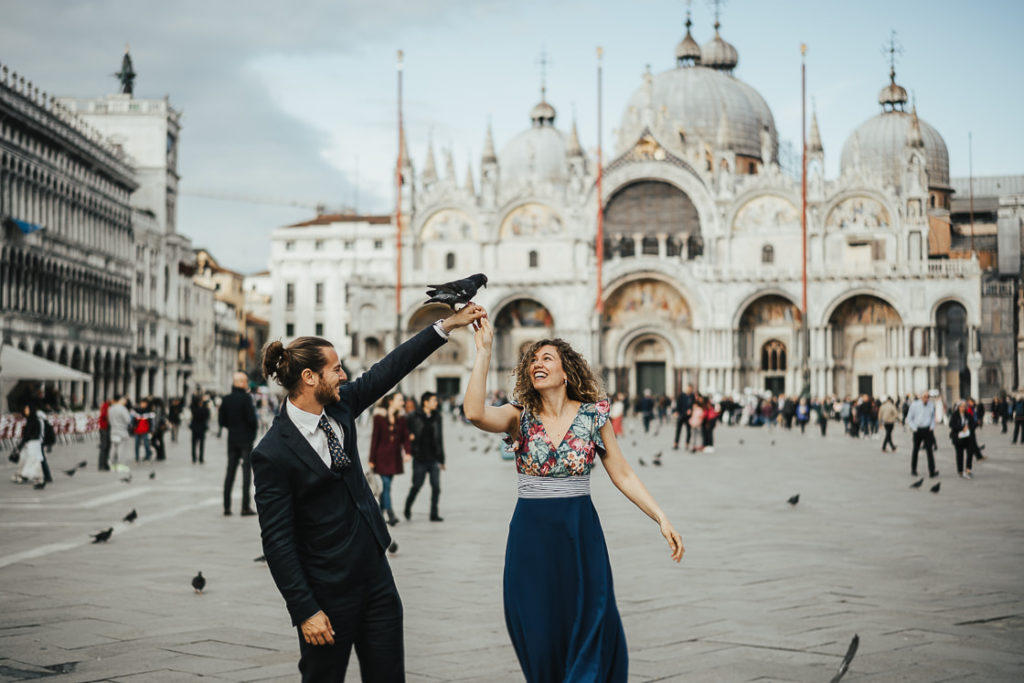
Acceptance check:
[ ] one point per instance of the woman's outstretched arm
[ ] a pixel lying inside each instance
(488, 418)
(627, 481)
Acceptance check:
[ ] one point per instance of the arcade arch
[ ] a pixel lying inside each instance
(865, 333)
(769, 329)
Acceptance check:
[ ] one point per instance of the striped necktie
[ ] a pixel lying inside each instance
(339, 459)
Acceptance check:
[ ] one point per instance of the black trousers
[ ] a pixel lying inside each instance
(198, 445)
(104, 462)
(922, 437)
(888, 436)
(1018, 428)
(369, 618)
(420, 470)
(680, 421)
(962, 446)
(823, 423)
(157, 441)
(238, 454)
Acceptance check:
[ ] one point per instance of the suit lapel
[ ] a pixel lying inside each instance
(298, 444)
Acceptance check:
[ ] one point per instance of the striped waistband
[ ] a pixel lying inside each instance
(553, 487)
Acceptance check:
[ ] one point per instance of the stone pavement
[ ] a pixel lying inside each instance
(934, 584)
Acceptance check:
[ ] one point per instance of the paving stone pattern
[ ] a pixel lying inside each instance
(933, 584)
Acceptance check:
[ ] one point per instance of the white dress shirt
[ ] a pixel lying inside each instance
(309, 426)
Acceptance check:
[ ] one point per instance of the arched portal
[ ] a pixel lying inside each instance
(647, 322)
(953, 347)
(865, 346)
(658, 212)
(769, 336)
(518, 324)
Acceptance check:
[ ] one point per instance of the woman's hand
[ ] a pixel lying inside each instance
(675, 541)
(484, 335)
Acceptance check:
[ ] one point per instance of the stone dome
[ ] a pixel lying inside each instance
(538, 154)
(690, 101)
(717, 53)
(877, 145)
(687, 51)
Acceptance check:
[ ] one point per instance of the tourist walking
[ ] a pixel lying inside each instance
(427, 454)
(30, 448)
(324, 538)
(560, 607)
(962, 427)
(645, 406)
(887, 415)
(198, 425)
(921, 420)
(617, 413)
(684, 403)
(389, 447)
(120, 425)
(142, 420)
(237, 414)
(104, 462)
(803, 414)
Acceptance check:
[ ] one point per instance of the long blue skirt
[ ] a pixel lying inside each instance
(559, 600)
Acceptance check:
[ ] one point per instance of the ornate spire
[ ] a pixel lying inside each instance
(406, 159)
(430, 168)
(717, 53)
(489, 155)
(914, 138)
(574, 149)
(449, 166)
(543, 114)
(469, 185)
(814, 143)
(893, 97)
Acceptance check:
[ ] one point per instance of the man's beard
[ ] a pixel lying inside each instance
(325, 394)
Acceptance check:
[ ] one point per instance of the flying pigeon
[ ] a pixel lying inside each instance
(917, 484)
(935, 489)
(71, 472)
(456, 292)
(103, 536)
(198, 582)
(131, 516)
(844, 666)
(793, 500)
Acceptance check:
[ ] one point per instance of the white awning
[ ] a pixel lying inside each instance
(16, 364)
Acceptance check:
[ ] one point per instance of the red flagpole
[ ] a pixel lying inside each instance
(805, 342)
(600, 196)
(398, 212)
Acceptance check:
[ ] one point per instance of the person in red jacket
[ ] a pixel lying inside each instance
(389, 439)
(104, 463)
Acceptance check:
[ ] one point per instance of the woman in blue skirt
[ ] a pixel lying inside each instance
(559, 600)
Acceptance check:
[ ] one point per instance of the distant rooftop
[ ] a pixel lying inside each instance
(989, 186)
(329, 218)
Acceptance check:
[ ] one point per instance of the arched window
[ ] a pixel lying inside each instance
(533, 259)
(767, 254)
(449, 260)
(773, 356)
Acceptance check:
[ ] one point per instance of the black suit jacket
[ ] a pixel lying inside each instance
(323, 532)
(238, 415)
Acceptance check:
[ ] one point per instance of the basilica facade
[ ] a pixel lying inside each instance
(701, 277)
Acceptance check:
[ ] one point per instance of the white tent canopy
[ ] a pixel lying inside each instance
(16, 364)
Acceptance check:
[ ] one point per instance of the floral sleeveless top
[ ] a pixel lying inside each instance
(536, 455)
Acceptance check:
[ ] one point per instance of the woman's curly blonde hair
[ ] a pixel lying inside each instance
(581, 383)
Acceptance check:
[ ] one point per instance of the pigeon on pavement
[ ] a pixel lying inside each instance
(935, 489)
(198, 582)
(456, 292)
(71, 472)
(131, 516)
(152, 475)
(261, 558)
(793, 500)
(103, 536)
(393, 548)
(844, 666)
(82, 465)
(642, 463)
(917, 484)
(127, 479)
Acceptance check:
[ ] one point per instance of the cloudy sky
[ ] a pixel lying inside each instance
(294, 101)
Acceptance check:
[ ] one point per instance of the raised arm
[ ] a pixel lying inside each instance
(499, 419)
(627, 481)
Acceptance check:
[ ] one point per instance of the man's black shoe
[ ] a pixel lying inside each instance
(227, 513)
(436, 518)
(248, 513)
(408, 514)
(934, 474)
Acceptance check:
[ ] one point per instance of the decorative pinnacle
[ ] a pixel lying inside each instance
(543, 63)
(893, 48)
(401, 60)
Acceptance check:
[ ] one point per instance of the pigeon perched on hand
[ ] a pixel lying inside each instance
(793, 500)
(456, 292)
(131, 516)
(198, 582)
(103, 536)
(844, 666)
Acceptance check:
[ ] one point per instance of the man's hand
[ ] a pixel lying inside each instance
(317, 630)
(467, 314)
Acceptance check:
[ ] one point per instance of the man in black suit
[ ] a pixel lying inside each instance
(427, 453)
(684, 406)
(324, 537)
(237, 414)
